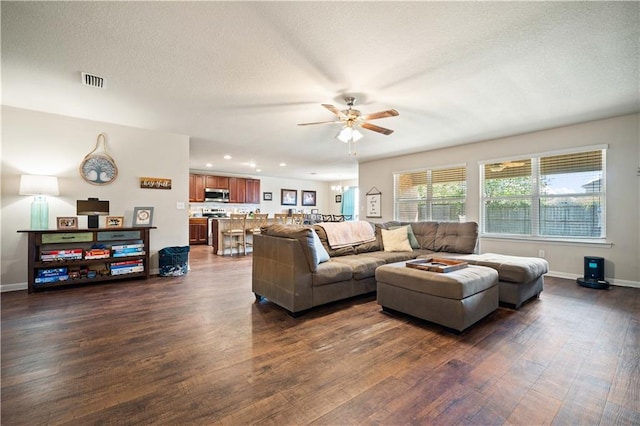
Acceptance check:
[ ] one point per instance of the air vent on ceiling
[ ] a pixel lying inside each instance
(93, 80)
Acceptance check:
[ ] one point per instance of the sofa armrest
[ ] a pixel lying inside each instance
(281, 272)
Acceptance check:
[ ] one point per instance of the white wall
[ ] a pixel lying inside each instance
(622, 264)
(41, 143)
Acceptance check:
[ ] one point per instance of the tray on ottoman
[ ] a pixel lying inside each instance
(435, 264)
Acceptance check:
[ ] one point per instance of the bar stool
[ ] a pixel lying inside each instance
(281, 218)
(234, 234)
(255, 224)
(297, 218)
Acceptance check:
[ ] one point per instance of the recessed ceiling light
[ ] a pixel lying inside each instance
(283, 164)
(258, 170)
(227, 157)
(252, 165)
(208, 165)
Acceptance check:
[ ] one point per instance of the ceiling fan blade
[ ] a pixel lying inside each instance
(381, 114)
(375, 128)
(334, 110)
(318, 122)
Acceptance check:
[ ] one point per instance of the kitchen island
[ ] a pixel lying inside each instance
(219, 225)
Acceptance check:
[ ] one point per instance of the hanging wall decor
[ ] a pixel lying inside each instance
(373, 202)
(97, 167)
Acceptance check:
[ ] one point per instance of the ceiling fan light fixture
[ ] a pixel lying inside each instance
(349, 134)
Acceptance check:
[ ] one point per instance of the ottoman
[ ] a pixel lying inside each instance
(520, 278)
(454, 299)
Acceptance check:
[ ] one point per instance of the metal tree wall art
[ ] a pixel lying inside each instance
(97, 167)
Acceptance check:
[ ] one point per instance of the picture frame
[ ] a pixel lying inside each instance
(142, 216)
(308, 198)
(338, 198)
(288, 197)
(314, 211)
(114, 222)
(267, 196)
(373, 203)
(67, 222)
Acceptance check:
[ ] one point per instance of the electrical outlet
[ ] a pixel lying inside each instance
(180, 205)
(541, 253)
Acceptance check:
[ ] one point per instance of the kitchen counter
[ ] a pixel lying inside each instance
(218, 225)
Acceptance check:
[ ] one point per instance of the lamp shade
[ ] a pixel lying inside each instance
(38, 185)
(92, 207)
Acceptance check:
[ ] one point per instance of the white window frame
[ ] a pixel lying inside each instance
(536, 196)
(429, 199)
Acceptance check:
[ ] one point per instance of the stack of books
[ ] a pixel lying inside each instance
(53, 255)
(124, 250)
(51, 275)
(127, 267)
(97, 253)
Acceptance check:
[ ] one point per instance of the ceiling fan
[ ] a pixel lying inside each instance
(351, 118)
(505, 165)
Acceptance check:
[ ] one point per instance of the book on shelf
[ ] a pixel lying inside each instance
(139, 245)
(51, 255)
(128, 253)
(97, 254)
(51, 279)
(51, 272)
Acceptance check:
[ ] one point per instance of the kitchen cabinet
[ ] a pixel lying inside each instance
(197, 230)
(237, 190)
(196, 188)
(241, 190)
(253, 191)
(217, 182)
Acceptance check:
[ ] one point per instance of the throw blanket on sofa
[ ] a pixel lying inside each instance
(343, 234)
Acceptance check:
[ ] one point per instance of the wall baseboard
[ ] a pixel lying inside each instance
(556, 274)
(612, 281)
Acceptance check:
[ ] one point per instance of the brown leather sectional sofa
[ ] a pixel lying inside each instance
(287, 271)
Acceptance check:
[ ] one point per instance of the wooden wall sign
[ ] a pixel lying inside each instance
(155, 183)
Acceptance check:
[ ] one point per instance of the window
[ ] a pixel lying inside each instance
(437, 195)
(550, 196)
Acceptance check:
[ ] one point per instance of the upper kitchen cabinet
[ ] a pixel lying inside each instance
(197, 184)
(217, 182)
(253, 191)
(237, 190)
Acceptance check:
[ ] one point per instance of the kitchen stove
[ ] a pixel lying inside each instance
(213, 212)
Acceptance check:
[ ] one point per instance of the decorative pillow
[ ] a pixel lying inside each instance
(412, 238)
(321, 253)
(396, 239)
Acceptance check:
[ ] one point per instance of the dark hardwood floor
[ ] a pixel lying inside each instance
(198, 349)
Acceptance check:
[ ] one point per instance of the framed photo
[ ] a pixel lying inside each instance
(338, 198)
(142, 216)
(373, 203)
(289, 197)
(267, 196)
(308, 198)
(67, 222)
(314, 211)
(115, 221)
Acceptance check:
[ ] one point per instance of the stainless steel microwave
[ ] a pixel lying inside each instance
(217, 195)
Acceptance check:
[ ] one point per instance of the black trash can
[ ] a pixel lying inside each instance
(174, 261)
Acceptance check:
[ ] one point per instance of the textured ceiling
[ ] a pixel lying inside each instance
(238, 76)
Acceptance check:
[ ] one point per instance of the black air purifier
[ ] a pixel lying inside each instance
(593, 273)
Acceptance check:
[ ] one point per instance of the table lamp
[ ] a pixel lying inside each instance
(40, 186)
(92, 208)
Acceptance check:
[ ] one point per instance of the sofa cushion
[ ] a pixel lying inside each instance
(393, 256)
(425, 233)
(454, 237)
(412, 238)
(330, 273)
(302, 233)
(395, 240)
(362, 266)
